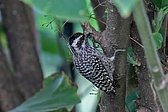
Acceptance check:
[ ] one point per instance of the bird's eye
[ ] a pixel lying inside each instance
(77, 39)
(81, 40)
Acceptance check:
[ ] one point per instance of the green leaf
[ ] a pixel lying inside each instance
(160, 3)
(131, 57)
(158, 38)
(159, 18)
(125, 7)
(45, 24)
(49, 45)
(75, 10)
(58, 93)
(130, 100)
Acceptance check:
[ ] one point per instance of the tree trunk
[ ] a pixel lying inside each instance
(18, 22)
(117, 35)
(114, 37)
(9, 95)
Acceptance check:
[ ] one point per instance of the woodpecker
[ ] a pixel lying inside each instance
(91, 63)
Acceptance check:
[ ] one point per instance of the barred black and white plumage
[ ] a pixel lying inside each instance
(91, 63)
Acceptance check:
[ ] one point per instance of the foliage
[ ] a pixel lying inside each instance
(153, 62)
(158, 38)
(157, 22)
(125, 7)
(57, 93)
(160, 3)
(75, 10)
(130, 100)
(131, 57)
(151, 41)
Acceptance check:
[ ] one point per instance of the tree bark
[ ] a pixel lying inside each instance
(148, 101)
(149, 104)
(117, 35)
(18, 22)
(9, 94)
(114, 37)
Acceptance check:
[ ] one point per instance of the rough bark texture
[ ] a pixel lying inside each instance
(148, 99)
(18, 22)
(9, 94)
(114, 37)
(117, 34)
(116, 31)
(19, 26)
